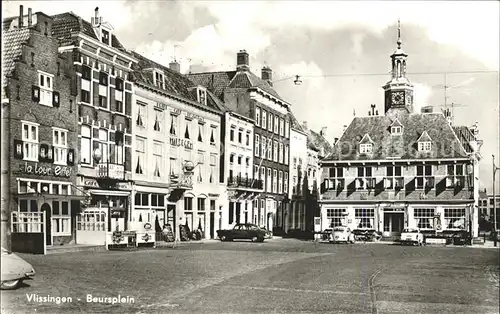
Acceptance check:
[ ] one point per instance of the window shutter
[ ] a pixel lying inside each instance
(18, 149)
(35, 93)
(71, 157)
(55, 99)
(44, 149)
(128, 159)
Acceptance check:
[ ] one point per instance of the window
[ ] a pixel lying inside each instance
(45, 82)
(201, 166)
(285, 183)
(365, 148)
(275, 150)
(141, 114)
(201, 133)
(159, 80)
(257, 145)
(257, 116)
(424, 146)
(201, 204)
(117, 149)
(239, 159)
(336, 180)
(85, 88)
(268, 182)
(270, 122)
(103, 144)
(247, 142)
(86, 73)
(280, 154)
(336, 217)
(105, 37)
(60, 142)
(276, 124)
(282, 127)
(173, 124)
(287, 129)
(286, 155)
(247, 161)
(240, 136)
(85, 145)
(275, 181)
(202, 96)
(269, 149)
(424, 177)
(30, 141)
(173, 167)
(61, 218)
(455, 176)
(256, 172)
(263, 177)
(158, 159)
(263, 147)
(231, 133)
(141, 154)
(212, 135)
(365, 218)
(264, 119)
(187, 132)
(280, 182)
(188, 203)
(364, 179)
(396, 130)
(454, 218)
(231, 158)
(394, 178)
(424, 218)
(103, 90)
(158, 120)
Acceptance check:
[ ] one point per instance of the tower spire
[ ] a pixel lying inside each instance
(399, 34)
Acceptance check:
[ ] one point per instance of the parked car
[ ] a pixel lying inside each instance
(342, 234)
(14, 270)
(411, 236)
(269, 234)
(243, 231)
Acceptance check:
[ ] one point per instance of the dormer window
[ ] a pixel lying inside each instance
(105, 36)
(202, 95)
(159, 79)
(396, 128)
(424, 142)
(365, 148)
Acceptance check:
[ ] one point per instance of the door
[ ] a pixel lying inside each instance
(48, 219)
(171, 217)
(212, 225)
(393, 222)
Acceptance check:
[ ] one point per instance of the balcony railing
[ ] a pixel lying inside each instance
(110, 171)
(239, 182)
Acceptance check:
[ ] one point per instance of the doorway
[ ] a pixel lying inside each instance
(48, 220)
(393, 223)
(212, 225)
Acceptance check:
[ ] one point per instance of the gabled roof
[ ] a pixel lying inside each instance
(424, 137)
(445, 143)
(320, 142)
(465, 136)
(396, 123)
(65, 25)
(366, 139)
(13, 41)
(175, 83)
(217, 82)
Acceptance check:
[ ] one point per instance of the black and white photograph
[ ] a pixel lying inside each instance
(178, 156)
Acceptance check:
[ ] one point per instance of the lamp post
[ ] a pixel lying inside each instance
(495, 168)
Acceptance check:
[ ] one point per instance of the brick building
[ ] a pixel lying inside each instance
(245, 93)
(401, 169)
(39, 136)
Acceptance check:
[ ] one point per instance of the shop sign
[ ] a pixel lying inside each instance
(93, 184)
(35, 168)
(189, 115)
(175, 141)
(161, 106)
(213, 195)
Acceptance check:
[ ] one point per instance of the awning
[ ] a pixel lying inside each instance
(109, 192)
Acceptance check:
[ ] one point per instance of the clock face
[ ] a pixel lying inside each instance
(398, 98)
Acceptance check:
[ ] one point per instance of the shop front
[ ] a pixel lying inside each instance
(242, 194)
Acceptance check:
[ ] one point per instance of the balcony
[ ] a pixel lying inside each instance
(244, 183)
(107, 171)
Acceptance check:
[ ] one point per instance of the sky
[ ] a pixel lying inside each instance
(329, 44)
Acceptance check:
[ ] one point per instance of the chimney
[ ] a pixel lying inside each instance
(426, 109)
(304, 125)
(335, 140)
(267, 75)
(30, 17)
(175, 66)
(21, 15)
(242, 63)
(323, 131)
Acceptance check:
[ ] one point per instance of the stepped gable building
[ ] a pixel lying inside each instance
(39, 137)
(401, 169)
(246, 94)
(176, 144)
(104, 107)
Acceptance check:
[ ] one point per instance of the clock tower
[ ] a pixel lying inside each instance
(399, 90)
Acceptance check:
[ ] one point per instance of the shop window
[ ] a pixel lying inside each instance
(424, 218)
(454, 218)
(61, 218)
(336, 217)
(365, 218)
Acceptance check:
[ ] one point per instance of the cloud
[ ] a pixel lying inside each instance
(421, 95)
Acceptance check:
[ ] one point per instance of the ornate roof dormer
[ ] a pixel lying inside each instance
(366, 145)
(424, 142)
(102, 29)
(396, 127)
(399, 90)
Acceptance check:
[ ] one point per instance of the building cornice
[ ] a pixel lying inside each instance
(393, 161)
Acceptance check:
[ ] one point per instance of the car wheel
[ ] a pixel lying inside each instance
(260, 240)
(11, 284)
(255, 239)
(223, 238)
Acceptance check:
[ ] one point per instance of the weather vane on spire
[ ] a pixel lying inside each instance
(399, 34)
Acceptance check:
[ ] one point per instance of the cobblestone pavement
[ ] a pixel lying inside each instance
(278, 276)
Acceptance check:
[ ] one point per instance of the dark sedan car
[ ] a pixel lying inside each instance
(243, 231)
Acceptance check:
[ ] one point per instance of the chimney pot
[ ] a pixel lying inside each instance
(21, 14)
(30, 17)
(323, 131)
(175, 66)
(267, 75)
(242, 60)
(335, 140)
